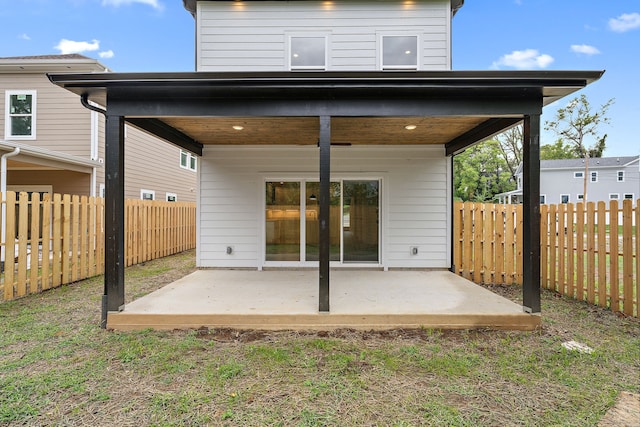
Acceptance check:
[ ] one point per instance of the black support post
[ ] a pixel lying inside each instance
(113, 298)
(531, 215)
(325, 179)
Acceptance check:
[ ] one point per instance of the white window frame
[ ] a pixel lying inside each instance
(568, 198)
(291, 36)
(614, 196)
(171, 195)
(625, 196)
(191, 158)
(380, 50)
(580, 197)
(143, 191)
(543, 199)
(593, 176)
(7, 115)
(620, 176)
(578, 174)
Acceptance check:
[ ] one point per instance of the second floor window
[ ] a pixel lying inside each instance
(399, 52)
(308, 53)
(594, 176)
(20, 117)
(187, 160)
(620, 176)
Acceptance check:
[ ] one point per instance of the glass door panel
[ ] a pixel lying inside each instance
(360, 221)
(282, 221)
(312, 225)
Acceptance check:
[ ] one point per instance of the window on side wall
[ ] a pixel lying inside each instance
(543, 199)
(578, 174)
(20, 114)
(614, 196)
(628, 196)
(399, 52)
(147, 194)
(171, 197)
(564, 198)
(620, 176)
(594, 176)
(307, 52)
(580, 197)
(188, 161)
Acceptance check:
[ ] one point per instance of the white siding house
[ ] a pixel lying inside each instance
(412, 215)
(412, 211)
(325, 35)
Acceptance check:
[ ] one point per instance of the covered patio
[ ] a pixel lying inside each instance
(288, 299)
(451, 110)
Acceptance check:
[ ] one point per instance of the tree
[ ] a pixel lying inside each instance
(559, 150)
(481, 172)
(510, 143)
(577, 124)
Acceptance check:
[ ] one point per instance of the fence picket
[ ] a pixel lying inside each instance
(509, 244)
(467, 259)
(34, 243)
(57, 241)
(627, 250)
(561, 248)
(570, 251)
(553, 246)
(9, 244)
(499, 245)
(23, 233)
(614, 249)
(602, 254)
(591, 252)
(580, 216)
(45, 277)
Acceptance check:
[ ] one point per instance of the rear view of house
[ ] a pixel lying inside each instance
(326, 132)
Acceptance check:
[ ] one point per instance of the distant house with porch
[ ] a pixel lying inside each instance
(562, 180)
(325, 133)
(50, 143)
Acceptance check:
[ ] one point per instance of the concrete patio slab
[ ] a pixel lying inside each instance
(288, 299)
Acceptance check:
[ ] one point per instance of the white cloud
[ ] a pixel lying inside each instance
(24, 36)
(585, 49)
(153, 3)
(625, 22)
(69, 46)
(523, 59)
(106, 54)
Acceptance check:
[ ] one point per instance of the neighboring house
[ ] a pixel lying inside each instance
(326, 131)
(51, 143)
(562, 181)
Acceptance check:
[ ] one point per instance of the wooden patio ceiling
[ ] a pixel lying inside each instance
(305, 130)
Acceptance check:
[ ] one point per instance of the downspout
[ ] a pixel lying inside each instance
(3, 190)
(85, 103)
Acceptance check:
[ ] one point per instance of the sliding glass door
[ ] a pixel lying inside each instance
(353, 221)
(360, 221)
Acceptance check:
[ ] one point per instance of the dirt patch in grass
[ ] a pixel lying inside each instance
(58, 368)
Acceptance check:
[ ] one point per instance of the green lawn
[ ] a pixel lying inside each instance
(58, 368)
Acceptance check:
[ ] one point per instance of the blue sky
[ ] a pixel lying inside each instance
(158, 35)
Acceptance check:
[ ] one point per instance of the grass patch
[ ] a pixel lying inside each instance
(59, 368)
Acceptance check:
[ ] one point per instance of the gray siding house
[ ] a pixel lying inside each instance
(51, 143)
(562, 181)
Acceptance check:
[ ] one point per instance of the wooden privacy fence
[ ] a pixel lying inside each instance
(587, 251)
(54, 240)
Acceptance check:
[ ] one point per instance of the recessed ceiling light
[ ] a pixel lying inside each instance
(410, 127)
(407, 52)
(238, 127)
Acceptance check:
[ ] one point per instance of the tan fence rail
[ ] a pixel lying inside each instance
(59, 239)
(588, 251)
